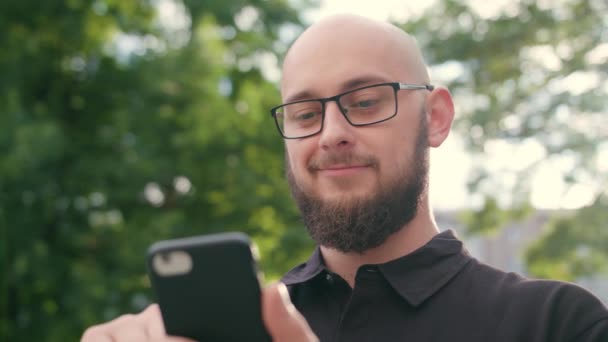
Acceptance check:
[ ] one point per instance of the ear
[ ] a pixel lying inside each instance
(440, 114)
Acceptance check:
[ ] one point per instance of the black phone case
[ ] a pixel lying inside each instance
(219, 299)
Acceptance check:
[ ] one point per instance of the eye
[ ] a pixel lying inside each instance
(363, 99)
(306, 116)
(365, 103)
(302, 111)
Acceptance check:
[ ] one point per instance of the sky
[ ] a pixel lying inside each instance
(450, 164)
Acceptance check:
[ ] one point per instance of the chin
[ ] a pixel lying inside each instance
(343, 197)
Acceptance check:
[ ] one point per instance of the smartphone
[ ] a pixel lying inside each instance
(208, 287)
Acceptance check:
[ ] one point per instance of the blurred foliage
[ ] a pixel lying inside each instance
(119, 128)
(569, 249)
(530, 79)
(490, 218)
(127, 122)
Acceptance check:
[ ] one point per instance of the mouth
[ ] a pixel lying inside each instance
(342, 169)
(341, 165)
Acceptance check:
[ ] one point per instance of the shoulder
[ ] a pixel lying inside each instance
(513, 285)
(566, 309)
(569, 309)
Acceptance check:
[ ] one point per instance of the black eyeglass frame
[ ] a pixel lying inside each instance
(395, 85)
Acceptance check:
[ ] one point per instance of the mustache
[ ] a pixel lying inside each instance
(348, 158)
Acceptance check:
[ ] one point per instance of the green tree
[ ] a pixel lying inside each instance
(531, 75)
(121, 127)
(569, 249)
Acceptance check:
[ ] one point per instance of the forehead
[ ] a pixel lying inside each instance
(327, 61)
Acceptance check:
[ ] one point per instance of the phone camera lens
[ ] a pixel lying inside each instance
(166, 257)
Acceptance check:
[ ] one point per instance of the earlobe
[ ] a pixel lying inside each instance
(440, 115)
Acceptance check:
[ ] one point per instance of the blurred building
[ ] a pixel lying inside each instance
(505, 249)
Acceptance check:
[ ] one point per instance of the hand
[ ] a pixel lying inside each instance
(283, 321)
(145, 326)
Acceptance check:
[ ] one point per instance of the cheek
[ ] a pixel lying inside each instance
(297, 159)
(395, 161)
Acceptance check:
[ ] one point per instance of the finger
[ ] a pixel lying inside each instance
(122, 329)
(155, 328)
(282, 319)
(170, 339)
(103, 332)
(174, 339)
(95, 334)
(96, 339)
(146, 326)
(153, 322)
(129, 334)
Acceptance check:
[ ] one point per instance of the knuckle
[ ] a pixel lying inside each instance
(124, 319)
(117, 326)
(152, 309)
(92, 333)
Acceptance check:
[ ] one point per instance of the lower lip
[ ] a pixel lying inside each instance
(347, 171)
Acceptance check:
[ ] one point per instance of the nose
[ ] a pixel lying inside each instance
(337, 132)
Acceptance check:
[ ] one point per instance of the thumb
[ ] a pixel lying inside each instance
(282, 319)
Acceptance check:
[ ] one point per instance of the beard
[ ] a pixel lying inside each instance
(359, 224)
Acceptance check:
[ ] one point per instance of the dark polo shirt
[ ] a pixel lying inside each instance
(440, 293)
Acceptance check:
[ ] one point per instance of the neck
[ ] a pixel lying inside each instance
(410, 237)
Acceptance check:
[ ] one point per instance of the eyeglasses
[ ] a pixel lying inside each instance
(361, 107)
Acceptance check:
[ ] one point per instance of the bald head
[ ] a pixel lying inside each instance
(334, 44)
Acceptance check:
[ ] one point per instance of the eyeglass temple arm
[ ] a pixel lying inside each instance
(428, 87)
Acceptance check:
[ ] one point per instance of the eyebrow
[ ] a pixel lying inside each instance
(346, 86)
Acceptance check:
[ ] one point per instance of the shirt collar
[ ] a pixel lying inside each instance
(306, 271)
(415, 276)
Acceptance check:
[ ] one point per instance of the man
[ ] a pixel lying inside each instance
(358, 118)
